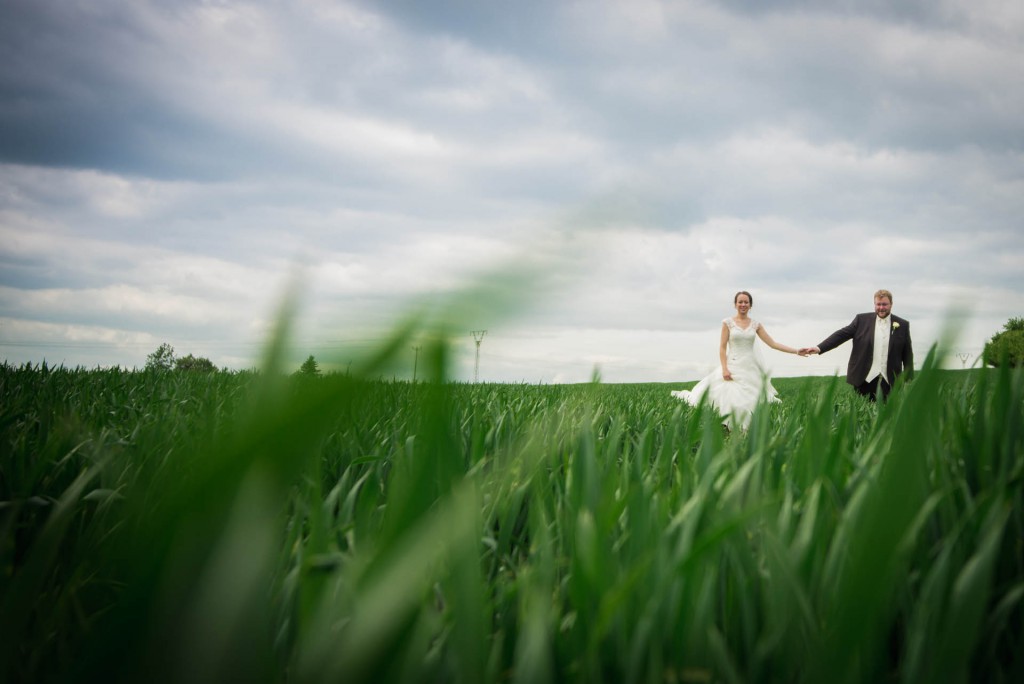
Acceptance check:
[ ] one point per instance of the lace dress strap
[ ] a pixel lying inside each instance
(733, 325)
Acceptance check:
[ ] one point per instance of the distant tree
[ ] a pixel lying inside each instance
(194, 364)
(1006, 346)
(309, 367)
(161, 359)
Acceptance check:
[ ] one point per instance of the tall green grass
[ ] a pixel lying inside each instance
(182, 527)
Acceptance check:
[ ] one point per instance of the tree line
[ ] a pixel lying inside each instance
(1005, 347)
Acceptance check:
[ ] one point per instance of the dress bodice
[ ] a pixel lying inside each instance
(741, 340)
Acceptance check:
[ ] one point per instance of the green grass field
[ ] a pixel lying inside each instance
(256, 527)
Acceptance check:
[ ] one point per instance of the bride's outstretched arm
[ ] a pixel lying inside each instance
(763, 334)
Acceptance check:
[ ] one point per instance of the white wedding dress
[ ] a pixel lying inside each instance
(736, 399)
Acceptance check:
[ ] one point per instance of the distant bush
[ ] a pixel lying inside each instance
(195, 364)
(1006, 346)
(162, 359)
(309, 367)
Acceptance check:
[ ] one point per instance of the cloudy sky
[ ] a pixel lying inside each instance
(588, 181)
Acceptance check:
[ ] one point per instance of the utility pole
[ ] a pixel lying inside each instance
(478, 337)
(415, 363)
(963, 356)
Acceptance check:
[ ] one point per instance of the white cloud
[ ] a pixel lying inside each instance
(163, 175)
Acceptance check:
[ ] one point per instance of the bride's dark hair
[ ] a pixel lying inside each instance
(749, 296)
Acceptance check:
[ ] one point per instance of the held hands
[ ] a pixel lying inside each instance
(807, 351)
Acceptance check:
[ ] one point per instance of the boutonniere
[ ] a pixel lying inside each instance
(895, 325)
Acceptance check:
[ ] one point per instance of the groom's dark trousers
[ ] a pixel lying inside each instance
(870, 389)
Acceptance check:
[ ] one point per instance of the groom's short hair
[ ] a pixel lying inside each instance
(884, 293)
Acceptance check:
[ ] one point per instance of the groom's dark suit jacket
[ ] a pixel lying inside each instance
(862, 332)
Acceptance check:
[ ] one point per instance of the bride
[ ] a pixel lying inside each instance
(743, 380)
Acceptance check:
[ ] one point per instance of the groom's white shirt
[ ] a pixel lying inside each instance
(880, 353)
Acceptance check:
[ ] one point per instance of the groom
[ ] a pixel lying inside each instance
(881, 348)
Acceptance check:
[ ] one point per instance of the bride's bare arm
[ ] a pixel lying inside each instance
(763, 334)
(722, 347)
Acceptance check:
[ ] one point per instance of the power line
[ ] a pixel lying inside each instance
(219, 344)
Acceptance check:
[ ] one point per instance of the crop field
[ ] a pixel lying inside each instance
(188, 527)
